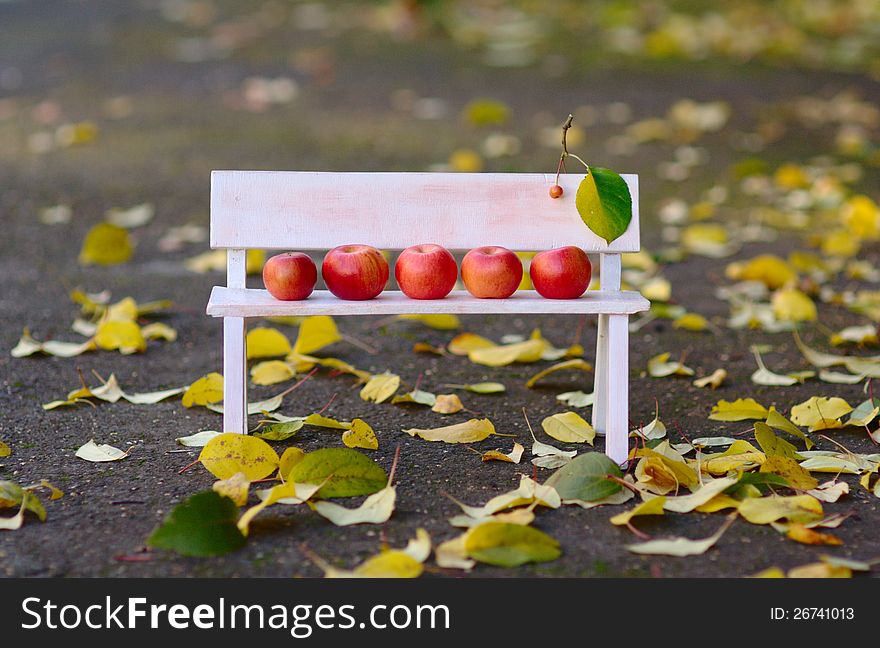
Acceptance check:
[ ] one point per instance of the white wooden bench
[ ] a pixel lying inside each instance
(318, 211)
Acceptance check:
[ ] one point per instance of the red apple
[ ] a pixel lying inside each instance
(563, 273)
(491, 272)
(290, 276)
(355, 272)
(426, 271)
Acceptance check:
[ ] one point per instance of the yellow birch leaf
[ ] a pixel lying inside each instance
(327, 422)
(691, 322)
(522, 516)
(360, 435)
(680, 547)
(770, 572)
(416, 396)
(96, 452)
(764, 510)
(789, 468)
(718, 503)
(388, 564)
(649, 507)
(514, 456)
(505, 354)
(376, 509)
(159, 331)
(830, 491)
(840, 243)
(254, 260)
(271, 372)
(791, 305)
(5, 450)
(207, 389)
(264, 342)
(660, 367)
(819, 570)
(315, 333)
(569, 427)
(212, 260)
(820, 413)
(380, 387)
(714, 380)
(468, 432)
(123, 335)
(289, 458)
(778, 421)
(769, 269)
(235, 488)
(452, 554)
(231, 453)
(106, 244)
(463, 344)
(738, 410)
(700, 497)
(289, 493)
(439, 322)
(800, 533)
(447, 404)
(576, 363)
(124, 309)
(528, 492)
(419, 547)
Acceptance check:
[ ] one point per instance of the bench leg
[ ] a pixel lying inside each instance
(600, 377)
(234, 376)
(617, 385)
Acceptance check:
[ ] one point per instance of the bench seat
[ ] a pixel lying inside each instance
(252, 302)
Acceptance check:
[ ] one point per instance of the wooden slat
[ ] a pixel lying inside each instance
(296, 210)
(226, 302)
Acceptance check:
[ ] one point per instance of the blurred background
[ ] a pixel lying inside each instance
(114, 103)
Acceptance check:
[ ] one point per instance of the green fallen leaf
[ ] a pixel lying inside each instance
(586, 478)
(481, 388)
(279, 431)
(347, 472)
(202, 525)
(509, 545)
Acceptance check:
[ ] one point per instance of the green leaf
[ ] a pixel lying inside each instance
(481, 388)
(509, 545)
(347, 473)
(585, 478)
(202, 525)
(279, 431)
(604, 203)
(13, 495)
(772, 444)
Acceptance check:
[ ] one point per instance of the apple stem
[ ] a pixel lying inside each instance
(565, 152)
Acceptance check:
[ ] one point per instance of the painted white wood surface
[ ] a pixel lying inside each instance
(298, 210)
(234, 376)
(616, 397)
(226, 302)
(600, 384)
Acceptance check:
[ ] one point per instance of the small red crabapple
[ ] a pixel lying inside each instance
(555, 191)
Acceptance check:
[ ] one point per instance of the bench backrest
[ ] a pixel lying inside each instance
(312, 211)
(304, 210)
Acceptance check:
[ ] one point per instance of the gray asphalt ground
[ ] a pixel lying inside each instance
(180, 127)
